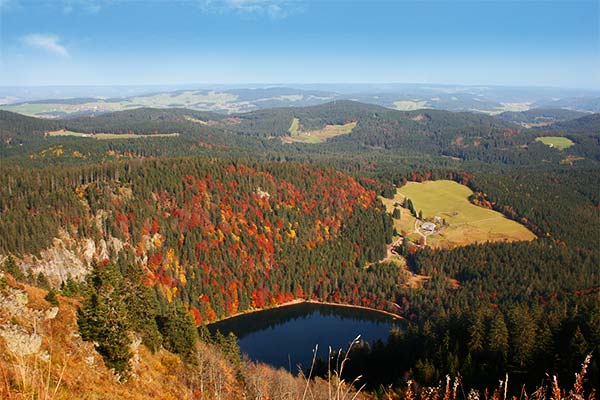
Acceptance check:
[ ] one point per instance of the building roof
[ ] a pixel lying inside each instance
(428, 226)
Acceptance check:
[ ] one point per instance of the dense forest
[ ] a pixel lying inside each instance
(430, 137)
(527, 309)
(208, 232)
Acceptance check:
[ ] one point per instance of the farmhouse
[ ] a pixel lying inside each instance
(428, 227)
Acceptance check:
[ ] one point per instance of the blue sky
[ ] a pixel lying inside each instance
(95, 42)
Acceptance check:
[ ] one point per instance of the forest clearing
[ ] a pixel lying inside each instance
(465, 223)
(107, 136)
(318, 135)
(558, 142)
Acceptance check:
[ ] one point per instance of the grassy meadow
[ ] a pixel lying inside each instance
(467, 223)
(558, 142)
(297, 134)
(107, 136)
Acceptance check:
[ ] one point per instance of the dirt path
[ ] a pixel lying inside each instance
(417, 231)
(389, 252)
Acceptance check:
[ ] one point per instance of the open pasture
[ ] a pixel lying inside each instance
(107, 136)
(297, 134)
(467, 223)
(558, 142)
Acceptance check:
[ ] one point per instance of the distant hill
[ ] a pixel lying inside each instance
(583, 103)
(338, 127)
(586, 125)
(222, 101)
(540, 116)
(18, 129)
(62, 102)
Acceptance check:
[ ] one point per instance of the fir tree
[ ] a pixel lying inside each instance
(51, 297)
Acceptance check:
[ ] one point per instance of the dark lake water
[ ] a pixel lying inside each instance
(286, 336)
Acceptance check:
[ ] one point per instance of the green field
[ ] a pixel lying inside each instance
(558, 142)
(297, 134)
(406, 223)
(409, 105)
(107, 136)
(294, 127)
(467, 223)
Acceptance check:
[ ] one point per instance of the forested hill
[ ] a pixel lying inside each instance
(337, 129)
(586, 125)
(207, 237)
(220, 236)
(16, 129)
(540, 116)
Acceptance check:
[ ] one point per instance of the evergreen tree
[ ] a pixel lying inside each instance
(51, 297)
(498, 337)
(141, 306)
(477, 335)
(10, 266)
(178, 329)
(103, 319)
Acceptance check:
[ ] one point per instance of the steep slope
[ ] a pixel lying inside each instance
(223, 237)
(42, 355)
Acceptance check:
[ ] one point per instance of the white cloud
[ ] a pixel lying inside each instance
(47, 42)
(274, 9)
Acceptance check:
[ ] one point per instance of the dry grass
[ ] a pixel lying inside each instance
(453, 390)
(337, 387)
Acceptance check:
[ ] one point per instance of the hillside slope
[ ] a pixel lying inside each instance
(42, 355)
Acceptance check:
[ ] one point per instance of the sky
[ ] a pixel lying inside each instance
(132, 42)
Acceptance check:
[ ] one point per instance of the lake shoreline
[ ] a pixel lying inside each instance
(305, 301)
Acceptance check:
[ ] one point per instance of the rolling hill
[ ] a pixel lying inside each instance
(70, 102)
(341, 127)
(540, 116)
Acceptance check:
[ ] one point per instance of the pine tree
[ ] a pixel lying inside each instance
(141, 306)
(179, 331)
(477, 335)
(523, 335)
(51, 297)
(498, 337)
(10, 266)
(103, 319)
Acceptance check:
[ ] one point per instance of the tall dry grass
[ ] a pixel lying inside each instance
(454, 390)
(32, 377)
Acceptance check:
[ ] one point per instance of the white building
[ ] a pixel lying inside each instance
(428, 227)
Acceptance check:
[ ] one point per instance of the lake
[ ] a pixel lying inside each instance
(286, 336)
